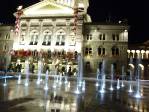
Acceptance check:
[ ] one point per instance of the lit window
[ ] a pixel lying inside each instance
(47, 38)
(60, 38)
(34, 38)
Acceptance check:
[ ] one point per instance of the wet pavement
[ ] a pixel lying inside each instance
(33, 98)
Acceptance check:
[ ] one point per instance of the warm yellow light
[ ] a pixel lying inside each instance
(142, 51)
(142, 66)
(131, 65)
(137, 51)
(128, 51)
(133, 51)
(147, 52)
(20, 7)
(126, 31)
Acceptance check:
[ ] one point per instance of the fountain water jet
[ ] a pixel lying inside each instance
(112, 72)
(102, 88)
(39, 72)
(5, 81)
(46, 80)
(19, 78)
(27, 72)
(130, 85)
(138, 94)
(122, 84)
(80, 73)
(118, 84)
(97, 78)
(66, 80)
(83, 85)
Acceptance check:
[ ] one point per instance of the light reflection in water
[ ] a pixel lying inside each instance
(68, 101)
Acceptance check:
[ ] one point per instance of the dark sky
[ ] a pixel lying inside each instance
(135, 11)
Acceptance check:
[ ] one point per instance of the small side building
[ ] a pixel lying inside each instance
(6, 44)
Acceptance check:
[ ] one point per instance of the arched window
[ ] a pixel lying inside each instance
(33, 38)
(47, 38)
(60, 41)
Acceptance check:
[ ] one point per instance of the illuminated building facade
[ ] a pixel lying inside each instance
(55, 31)
(138, 55)
(6, 44)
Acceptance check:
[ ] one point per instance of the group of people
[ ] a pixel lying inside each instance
(17, 67)
(14, 67)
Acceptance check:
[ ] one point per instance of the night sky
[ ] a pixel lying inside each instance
(135, 11)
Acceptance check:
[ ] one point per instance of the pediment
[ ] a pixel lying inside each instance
(47, 8)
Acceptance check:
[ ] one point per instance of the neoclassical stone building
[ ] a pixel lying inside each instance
(6, 44)
(138, 55)
(55, 31)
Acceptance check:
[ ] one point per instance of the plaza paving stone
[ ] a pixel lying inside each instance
(19, 98)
